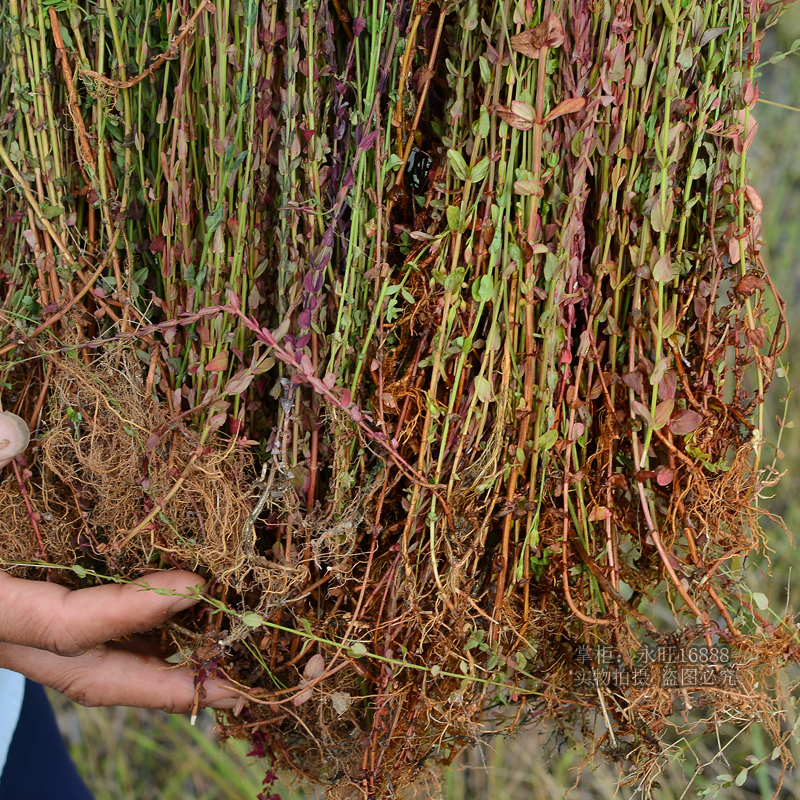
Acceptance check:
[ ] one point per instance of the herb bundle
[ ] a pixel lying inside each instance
(436, 335)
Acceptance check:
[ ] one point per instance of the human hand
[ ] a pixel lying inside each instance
(59, 637)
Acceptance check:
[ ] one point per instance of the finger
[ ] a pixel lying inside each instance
(14, 436)
(110, 677)
(52, 617)
(144, 643)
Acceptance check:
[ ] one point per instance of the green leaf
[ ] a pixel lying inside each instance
(484, 123)
(482, 289)
(548, 440)
(639, 72)
(742, 776)
(453, 217)
(452, 283)
(457, 164)
(661, 217)
(78, 570)
(698, 169)
(550, 266)
(685, 58)
(474, 640)
(358, 649)
(483, 389)
(761, 600)
(480, 170)
(486, 71)
(393, 162)
(252, 620)
(527, 187)
(250, 13)
(237, 162)
(49, 212)
(435, 670)
(659, 370)
(214, 220)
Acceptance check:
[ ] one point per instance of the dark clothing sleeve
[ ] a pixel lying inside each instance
(38, 766)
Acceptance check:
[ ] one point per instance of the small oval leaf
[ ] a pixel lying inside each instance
(686, 422)
(358, 649)
(761, 600)
(314, 668)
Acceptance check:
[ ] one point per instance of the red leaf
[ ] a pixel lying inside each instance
(239, 382)
(663, 413)
(218, 363)
(304, 695)
(734, 250)
(754, 198)
(686, 422)
(668, 385)
(217, 421)
(314, 667)
(664, 476)
(662, 271)
(523, 110)
(368, 141)
(633, 380)
(569, 106)
(306, 364)
(640, 409)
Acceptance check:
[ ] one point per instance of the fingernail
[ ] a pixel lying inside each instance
(224, 704)
(219, 694)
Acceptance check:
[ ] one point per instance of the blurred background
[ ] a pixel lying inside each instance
(128, 754)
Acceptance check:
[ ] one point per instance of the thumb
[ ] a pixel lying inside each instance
(50, 617)
(14, 436)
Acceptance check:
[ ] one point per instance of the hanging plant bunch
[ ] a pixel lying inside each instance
(436, 336)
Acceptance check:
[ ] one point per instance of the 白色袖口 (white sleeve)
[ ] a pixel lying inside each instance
(12, 691)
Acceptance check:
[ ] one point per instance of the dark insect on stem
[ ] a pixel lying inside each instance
(418, 170)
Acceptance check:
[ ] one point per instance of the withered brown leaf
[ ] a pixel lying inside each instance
(548, 34)
(750, 284)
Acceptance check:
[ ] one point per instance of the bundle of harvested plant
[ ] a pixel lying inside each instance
(436, 335)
